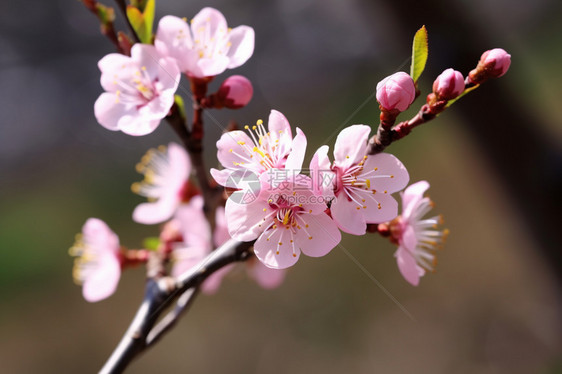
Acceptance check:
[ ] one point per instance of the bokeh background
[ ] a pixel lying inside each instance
(493, 161)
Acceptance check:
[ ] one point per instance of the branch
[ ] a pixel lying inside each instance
(160, 294)
(123, 8)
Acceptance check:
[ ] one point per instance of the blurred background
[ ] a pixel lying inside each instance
(493, 162)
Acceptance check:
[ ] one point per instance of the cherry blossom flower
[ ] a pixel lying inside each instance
(418, 238)
(97, 266)
(286, 219)
(207, 47)
(360, 186)
(139, 90)
(166, 172)
(261, 150)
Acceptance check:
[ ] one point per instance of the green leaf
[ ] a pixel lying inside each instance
(419, 54)
(137, 21)
(148, 14)
(462, 94)
(140, 4)
(181, 106)
(105, 14)
(151, 243)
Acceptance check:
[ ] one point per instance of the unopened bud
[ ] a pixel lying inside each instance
(493, 64)
(235, 92)
(448, 85)
(396, 92)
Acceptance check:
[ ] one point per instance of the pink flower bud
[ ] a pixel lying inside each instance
(448, 85)
(235, 92)
(396, 91)
(497, 60)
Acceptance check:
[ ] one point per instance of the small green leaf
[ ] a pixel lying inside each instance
(137, 21)
(151, 243)
(106, 14)
(148, 14)
(419, 54)
(181, 106)
(462, 94)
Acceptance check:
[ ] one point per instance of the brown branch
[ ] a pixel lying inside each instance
(160, 294)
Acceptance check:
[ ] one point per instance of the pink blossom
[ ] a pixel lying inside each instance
(207, 47)
(286, 219)
(418, 238)
(261, 150)
(448, 85)
(360, 186)
(498, 60)
(139, 90)
(97, 266)
(166, 173)
(235, 92)
(396, 92)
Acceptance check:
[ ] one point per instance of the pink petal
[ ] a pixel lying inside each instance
(169, 75)
(221, 176)
(322, 177)
(267, 278)
(388, 207)
(296, 157)
(115, 67)
(246, 221)
(411, 196)
(279, 127)
(108, 111)
(156, 212)
(103, 282)
(351, 146)
(213, 282)
(386, 173)
(237, 141)
(265, 249)
(147, 57)
(408, 239)
(98, 234)
(407, 266)
(137, 125)
(242, 47)
(210, 67)
(209, 19)
(221, 234)
(173, 39)
(324, 232)
(180, 163)
(347, 217)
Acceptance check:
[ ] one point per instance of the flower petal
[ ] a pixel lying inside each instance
(298, 150)
(156, 212)
(246, 221)
(267, 245)
(109, 110)
(411, 196)
(375, 213)
(242, 39)
(351, 146)
(102, 282)
(233, 148)
(346, 215)
(407, 266)
(321, 237)
(267, 278)
(173, 39)
(386, 173)
(210, 20)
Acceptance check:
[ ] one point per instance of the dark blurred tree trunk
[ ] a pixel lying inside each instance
(526, 160)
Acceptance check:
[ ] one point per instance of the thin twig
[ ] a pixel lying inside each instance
(160, 294)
